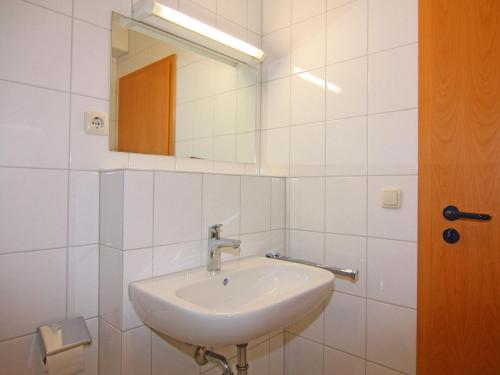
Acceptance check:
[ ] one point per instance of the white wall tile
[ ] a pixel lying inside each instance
(91, 58)
(347, 31)
(225, 113)
(303, 9)
(255, 16)
(156, 162)
(98, 12)
(308, 44)
(167, 357)
(303, 356)
(399, 224)
(345, 317)
(110, 286)
(62, 6)
(308, 97)
(91, 352)
(110, 349)
(21, 356)
(307, 203)
(177, 207)
(221, 204)
(31, 218)
(392, 23)
(374, 369)
(199, 12)
(178, 257)
(346, 205)
(331, 4)
(194, 165)
(275, 15)
(137, 265)
(277, 355)
(276, 103)
(346, 147)
(307, 150)
(32, 119)
(347, 252)
(246, 107)
(306, 245)
(232, 28)
(258, 359)
(275, 155)
(234, 10)
(391, 336)
(43, 298)
(83, 220)
(49, 46)
(136, 351)
(111, 209)
(91, 151)
(393, 79)
(386, 282)
(137, 209)
(255, 204)
(208, 4)
(337, 362)
(346, 95)
(277, 203)
(277, 46)
(255, 244)
(311, 326)
(278, 241)
(83, 281)
(393, 143)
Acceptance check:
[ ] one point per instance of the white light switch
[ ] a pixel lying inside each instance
(391, 197)
(96, 123)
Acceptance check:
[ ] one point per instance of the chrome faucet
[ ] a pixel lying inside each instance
(216, 245)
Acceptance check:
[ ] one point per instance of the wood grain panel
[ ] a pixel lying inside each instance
(146, 113)
(459, 158)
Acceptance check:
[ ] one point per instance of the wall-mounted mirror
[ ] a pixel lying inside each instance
(171, 96)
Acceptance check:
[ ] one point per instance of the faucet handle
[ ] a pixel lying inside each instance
(214, 231)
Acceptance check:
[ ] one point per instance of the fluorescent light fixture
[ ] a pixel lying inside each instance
(191, 29)
(316, 80)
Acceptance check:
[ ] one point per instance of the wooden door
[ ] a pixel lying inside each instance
(459, 284)
(146, 113)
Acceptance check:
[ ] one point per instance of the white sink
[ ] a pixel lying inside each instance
(250, 297)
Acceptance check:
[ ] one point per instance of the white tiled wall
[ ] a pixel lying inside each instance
(54, 66)
(340, 98)
(364, 118)
(155, 223)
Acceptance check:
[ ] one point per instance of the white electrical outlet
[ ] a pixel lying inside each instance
(96, 123)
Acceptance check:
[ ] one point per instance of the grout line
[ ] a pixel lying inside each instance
(34, 85)
(31, 251)
(35, 332)
(51, 88)
(49, 9)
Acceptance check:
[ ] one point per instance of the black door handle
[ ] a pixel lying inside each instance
(453, 213)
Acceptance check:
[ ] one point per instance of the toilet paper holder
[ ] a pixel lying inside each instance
(64, 335)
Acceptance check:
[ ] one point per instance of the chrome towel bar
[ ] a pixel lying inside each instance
(345, 272)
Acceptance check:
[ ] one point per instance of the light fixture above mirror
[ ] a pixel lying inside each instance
(191, 29)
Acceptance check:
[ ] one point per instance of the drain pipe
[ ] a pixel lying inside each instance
(202, 356)
(242, 364)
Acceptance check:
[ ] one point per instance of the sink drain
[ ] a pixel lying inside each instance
(225, 281)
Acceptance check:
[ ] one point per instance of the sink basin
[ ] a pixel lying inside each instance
(249, 298)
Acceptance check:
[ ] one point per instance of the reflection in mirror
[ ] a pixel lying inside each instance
(173, 97)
